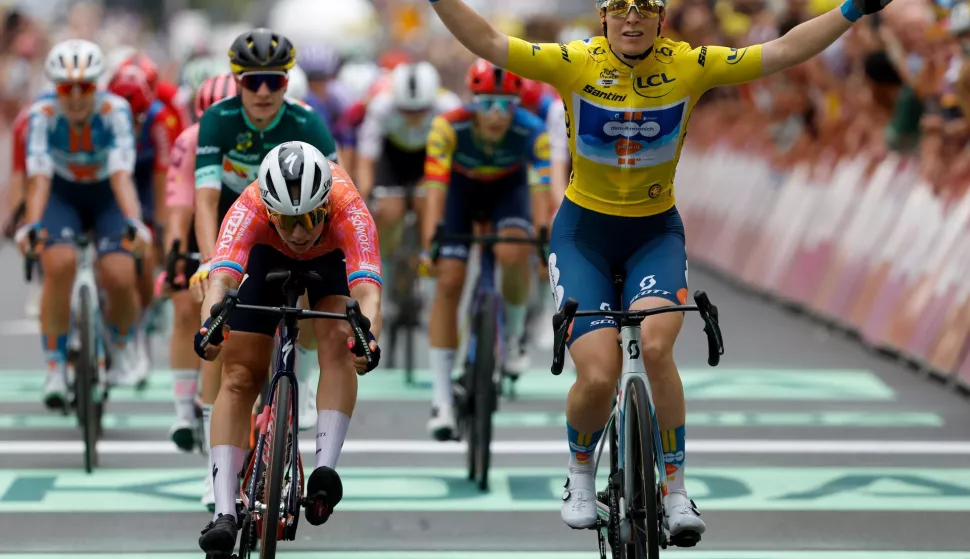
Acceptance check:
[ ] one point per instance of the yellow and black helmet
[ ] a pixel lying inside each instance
(261, 49)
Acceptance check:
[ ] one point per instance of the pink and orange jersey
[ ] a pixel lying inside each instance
(349, 228)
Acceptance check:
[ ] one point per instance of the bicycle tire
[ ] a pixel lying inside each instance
(277, 469)
(85, 370)
(640, 479)
(485, 390)
(466, 408)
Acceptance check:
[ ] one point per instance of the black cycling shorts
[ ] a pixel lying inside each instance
(255, 290)
(397, 172)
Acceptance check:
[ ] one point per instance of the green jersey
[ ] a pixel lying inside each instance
(230, 148)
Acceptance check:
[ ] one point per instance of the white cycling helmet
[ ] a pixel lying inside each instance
(297, 86)
(75, 60)
(415, 86)
(294, 165)
(960, 19)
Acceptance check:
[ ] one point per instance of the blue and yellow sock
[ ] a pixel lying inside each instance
(55, 348)
(582, 446)
(673, 443)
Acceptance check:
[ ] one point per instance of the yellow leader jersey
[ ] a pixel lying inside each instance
(626, 124)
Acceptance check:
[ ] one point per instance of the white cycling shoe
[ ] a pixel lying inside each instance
(442, 425)
(129, 364)
(55, 388)
(517, 360)
(579, 498)
(683, 519)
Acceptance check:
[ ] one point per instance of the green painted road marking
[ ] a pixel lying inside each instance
(520, 489)
(699, 384)
(522, 420)
(749, 419)
(524, 555)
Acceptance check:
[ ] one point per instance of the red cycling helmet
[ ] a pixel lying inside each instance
(484, 78)
(531, 94)
(131, 83)
(213, 90)
(146, 64)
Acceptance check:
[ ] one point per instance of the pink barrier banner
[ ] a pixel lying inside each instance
(869, 246)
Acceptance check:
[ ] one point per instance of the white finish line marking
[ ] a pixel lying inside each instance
(726, 446)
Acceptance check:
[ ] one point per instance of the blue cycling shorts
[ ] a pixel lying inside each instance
(73, 209)
(144, 178)
(587, 249)
(504, 203)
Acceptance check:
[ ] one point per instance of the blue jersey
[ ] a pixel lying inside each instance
(453, 147)
(145, 145)
(90, 154)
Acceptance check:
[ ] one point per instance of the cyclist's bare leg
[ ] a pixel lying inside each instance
(185, 367)
(116, 276)
(337, 388)
(389, 217)
(246, 361)
(516, 281)
(60, 264)
(443, 340)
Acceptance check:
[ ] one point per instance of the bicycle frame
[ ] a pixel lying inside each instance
(485, 287)
(632, 368)
(84, 277)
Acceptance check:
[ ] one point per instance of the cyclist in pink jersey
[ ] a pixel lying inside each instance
(302, 213)
(180, 203)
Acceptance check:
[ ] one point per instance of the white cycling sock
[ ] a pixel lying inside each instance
(207, 429)
(515, 320)
(186, 383)
(227, 463)
(442, 360)
(307, 368)
(331, 431)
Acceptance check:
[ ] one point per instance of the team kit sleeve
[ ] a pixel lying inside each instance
(439, 153)
(728, 66)
(357, 238)
(180, 178)
(319, 136)
(20, 144)
(238, 234)
(539, 177)
(121, 153)
(165, 130)
(208, 153)
(558, 65)
(39, 160)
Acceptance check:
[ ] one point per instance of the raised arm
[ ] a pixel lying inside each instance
(815, 35)
(473, 31)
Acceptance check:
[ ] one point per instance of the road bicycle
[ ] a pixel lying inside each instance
(478, 390)
(404, 291)
(85, 344)
(630, 510)
(273, 483)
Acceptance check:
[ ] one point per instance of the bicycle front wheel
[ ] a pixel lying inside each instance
(641, 491)
(85, 372)
(486, 395)
(273, 482)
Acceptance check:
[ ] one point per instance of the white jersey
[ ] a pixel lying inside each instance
(558, 136)
(384, 121)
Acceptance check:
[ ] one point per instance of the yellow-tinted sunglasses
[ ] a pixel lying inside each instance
(308, 220)
(620, 8)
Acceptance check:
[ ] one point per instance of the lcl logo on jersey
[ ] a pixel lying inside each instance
(654, 86)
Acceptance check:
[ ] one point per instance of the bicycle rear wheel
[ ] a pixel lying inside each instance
(277, 469)
(640, 488)
(85, 373)
(486, 398)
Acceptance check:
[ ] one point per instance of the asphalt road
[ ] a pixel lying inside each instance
(801, 445)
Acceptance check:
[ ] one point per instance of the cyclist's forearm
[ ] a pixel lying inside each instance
(369, 297)
(15, 192)
(219, 284)
(803, 42)
(206, 221)
(39, 192)
(124, 190)
(365, 176)
(473, 31)
(434, 204)
(178, 219)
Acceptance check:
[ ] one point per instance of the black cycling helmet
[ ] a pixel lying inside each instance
(261, 49)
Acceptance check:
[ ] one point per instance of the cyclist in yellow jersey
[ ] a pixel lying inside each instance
(628, 97)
